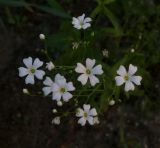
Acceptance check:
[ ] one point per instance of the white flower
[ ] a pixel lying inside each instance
(59, 88)
(42, 36)
(25, 91)
(89, 72)
(81, 22)
(31, 70)
(128, 77)
(50, 66)
(111, 103)
(86, 114)
(56, 120)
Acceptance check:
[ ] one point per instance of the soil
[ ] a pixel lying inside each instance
(25, 122)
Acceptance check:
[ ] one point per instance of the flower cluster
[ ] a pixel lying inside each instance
(57, 87)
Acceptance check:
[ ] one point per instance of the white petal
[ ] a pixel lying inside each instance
(37, 63)
(82, 121)
(70, 87)
(29, 79)
(86, 25)
(79, 112)
(121, 71)
(48, 81)
(80, 68)
(81, 18)
(58, 77)
(136, 80)
(46, 90)
(93, 112)
(86, 107)
(56, 96)
(87, 19)
(75, 21)
(83, 79)
(119, 80)
(129, 86)
(61, 82)
(97, 70)
(28, 62)
(78, 26)
(39, 74)
(93, 80)
(132, 69)
(55, 87)
(90, 63)
(90, 120)
(67, 96)
(22, 71)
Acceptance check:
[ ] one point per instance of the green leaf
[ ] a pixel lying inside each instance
(53, 11)
(113, 19)
(14, 3)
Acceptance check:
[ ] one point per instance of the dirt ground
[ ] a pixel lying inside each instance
(25, 122)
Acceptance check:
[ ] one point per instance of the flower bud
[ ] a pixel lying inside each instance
(42, 36)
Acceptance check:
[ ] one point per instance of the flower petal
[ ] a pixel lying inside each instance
(86, 107)
(93, 112)
(121, 71)
(46, 90)
(39, 74)
(75, 21)
(48, 81)
(136, 80)
(22, 71)
(87, 19)
(97, 70)
(70, 87)
(86, 25)
(56, 96)
(67, 96)
(90, 63)
(61, 82)
(93, 80)
(82, 121)
(129, 86)
(80, 68)
(79, 112)
(83, 79)
(55, 87)
(132, 69)
(119, 80)
(58, 77)
(29, 79)
(37, 63)
(90, 120)
(28, 62)
(81, 18)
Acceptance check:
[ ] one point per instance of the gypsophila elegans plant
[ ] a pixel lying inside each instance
(76, 73)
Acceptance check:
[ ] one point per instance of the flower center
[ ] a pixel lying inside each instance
(32, 70)
(62, 90)
(81, 23)
(126, 77)
(88, 71)
(85, 114)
